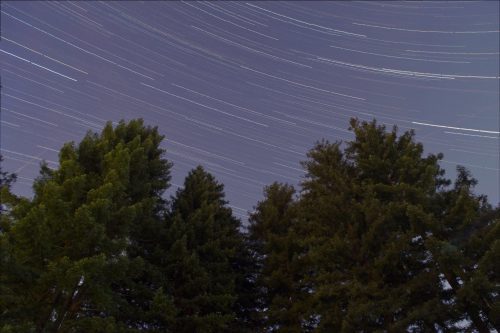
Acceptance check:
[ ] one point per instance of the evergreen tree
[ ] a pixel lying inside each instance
(465, 245)
(274, 247)
(204, 256)
(78, 238)
(363, 218)
(6, 178)
(8, 267)
(371, 244)
(377, 240)
(7, 199)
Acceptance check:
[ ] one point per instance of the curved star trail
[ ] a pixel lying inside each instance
(245, 89)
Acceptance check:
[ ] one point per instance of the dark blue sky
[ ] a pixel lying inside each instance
(245, 89)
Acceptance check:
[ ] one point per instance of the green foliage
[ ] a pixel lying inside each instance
(377, 240)
(465, 245)
(364, 213)
(274, 248)
(72, 243)
(7, 199)
(6, 178)
(205, 251)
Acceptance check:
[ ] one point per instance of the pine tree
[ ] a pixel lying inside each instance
(465, 244)
(368, 213)
(78, 237)
(360, 216)
(205, 247)
(483, 281)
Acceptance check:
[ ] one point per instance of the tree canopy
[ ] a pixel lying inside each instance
(375, 239)
(80, 235)
(205, 249)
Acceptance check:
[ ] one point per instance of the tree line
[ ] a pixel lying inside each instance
(375, 240)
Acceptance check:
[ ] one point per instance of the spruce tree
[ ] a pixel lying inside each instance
(274, 246)
(204, 250)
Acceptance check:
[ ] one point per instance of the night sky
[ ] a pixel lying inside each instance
(246, 88)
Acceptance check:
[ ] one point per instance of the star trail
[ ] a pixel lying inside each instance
(246, 88)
